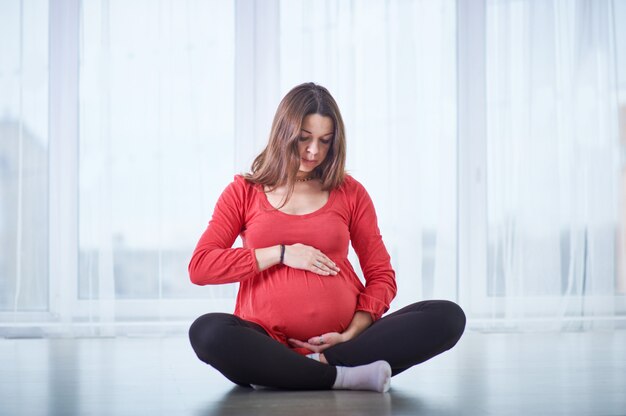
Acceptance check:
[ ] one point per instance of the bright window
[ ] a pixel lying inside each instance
(156, 141)
(24, 155)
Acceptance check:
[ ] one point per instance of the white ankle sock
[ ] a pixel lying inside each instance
(375, 376)
(314, 356)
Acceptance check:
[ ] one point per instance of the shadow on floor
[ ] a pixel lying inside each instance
(246, 401)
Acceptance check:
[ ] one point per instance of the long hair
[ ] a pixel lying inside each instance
(277, 165)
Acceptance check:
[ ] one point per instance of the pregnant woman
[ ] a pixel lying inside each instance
(303, 319)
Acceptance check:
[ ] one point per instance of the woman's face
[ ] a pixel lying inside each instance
(315, 139)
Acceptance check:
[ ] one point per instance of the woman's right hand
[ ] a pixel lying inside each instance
(303, 257)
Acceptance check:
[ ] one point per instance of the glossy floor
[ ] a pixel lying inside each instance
(580, 373)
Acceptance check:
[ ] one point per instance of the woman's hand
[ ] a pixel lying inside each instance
(320, 343)
(300, 256)
(361, 321)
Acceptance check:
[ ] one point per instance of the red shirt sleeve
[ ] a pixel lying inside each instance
(214, 261)
(380, 281)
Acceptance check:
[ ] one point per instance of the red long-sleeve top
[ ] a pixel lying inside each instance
(288, 302)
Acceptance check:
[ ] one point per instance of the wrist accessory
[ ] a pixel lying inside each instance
(282, 253)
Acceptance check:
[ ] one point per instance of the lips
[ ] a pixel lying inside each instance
(309, 161)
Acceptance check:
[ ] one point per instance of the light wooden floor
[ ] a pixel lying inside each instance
(581, 373)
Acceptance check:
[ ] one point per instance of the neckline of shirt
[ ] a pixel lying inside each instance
(266, 202)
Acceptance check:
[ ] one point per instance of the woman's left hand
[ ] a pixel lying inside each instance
(321, 342)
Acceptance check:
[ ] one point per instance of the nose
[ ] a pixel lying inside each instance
(313, 148)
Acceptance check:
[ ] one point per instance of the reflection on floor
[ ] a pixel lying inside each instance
(580, 373)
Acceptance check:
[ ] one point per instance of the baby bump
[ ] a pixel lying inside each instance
(303, 304)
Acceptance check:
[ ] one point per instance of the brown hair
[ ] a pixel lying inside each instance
(277, 165)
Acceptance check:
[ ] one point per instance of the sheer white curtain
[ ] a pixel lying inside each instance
(156, 150)
(23, 158)
(553, 162)
(392, 68)
(487, 134)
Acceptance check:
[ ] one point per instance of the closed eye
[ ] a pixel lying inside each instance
(324, 141)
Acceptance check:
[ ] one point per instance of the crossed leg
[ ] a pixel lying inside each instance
(245, 354)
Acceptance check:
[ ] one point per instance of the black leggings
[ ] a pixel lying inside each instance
(244, 353)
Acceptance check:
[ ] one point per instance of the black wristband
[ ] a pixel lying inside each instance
(282, 253)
